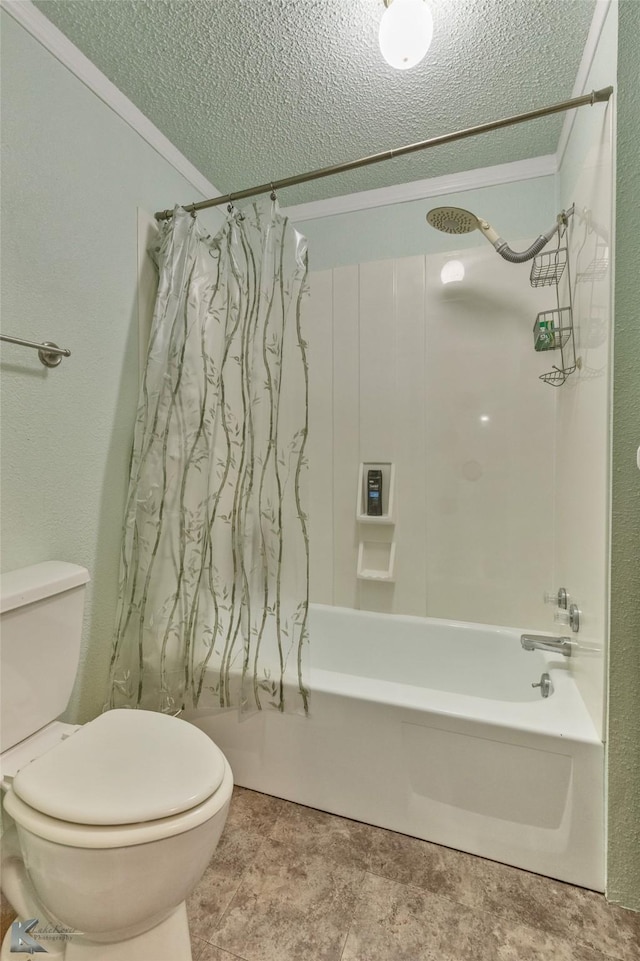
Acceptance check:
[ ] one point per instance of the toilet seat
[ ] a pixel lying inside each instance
(117, 836)
(125, 767)
(128, 777)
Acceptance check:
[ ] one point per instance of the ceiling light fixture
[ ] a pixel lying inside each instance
(405, 33)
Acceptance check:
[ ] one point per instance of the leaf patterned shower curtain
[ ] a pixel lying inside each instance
(213, 592)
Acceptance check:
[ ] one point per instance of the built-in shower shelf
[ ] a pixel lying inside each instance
(376, 561)
(387, 501)
(369, 519)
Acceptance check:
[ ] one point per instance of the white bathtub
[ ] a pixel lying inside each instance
(432, 728)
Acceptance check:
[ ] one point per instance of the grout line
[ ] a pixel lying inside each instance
(356, 905)
(241, 879)
(201, 946)
(346, 938)
(235, 893)
(229, 954)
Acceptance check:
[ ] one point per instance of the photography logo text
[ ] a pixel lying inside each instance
(24, 940)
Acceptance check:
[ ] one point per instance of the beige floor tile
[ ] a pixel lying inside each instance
(497, 940)
(518, 942)
(312, 832)
(441, 870)
(628, 923)
(375, 850)
(235, 853)
(253, 811)
(560, 909)
(571, 921)
(396, 922)
(290, 907)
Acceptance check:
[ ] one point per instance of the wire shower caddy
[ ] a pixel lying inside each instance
(553, 329)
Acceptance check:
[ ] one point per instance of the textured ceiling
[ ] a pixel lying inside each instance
(256, 90)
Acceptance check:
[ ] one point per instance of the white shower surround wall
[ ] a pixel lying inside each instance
(440, 380)
(432, 728)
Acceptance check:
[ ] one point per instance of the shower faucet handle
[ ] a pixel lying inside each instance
(570, 618)
(559, 598)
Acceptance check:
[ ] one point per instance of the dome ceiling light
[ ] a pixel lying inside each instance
(405, 33)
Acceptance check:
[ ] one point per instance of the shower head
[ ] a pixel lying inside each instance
(456, 220)
(453, 220)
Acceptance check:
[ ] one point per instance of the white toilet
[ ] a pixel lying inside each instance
(107, 827)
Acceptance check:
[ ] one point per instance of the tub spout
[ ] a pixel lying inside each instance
(544, 642)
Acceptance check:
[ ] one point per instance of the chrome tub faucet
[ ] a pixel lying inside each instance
(544, 642)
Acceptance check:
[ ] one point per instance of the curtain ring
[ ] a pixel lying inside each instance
(231, 207)
(273, 192)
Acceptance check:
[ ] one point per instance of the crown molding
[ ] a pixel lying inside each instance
(580, 86)
(544, 166)
(59, 46)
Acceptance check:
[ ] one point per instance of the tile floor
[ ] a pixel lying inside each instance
(289, 883)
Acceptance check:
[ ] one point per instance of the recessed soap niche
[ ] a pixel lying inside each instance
(388, 472)
(376, 560)
(377, 547)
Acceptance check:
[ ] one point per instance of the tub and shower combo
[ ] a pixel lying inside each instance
(440, 730)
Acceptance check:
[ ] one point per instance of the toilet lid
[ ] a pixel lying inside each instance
(126, 766)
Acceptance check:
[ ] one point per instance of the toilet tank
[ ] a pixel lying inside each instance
(41, 610)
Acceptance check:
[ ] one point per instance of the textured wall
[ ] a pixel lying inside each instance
(73, 174)
(624, 664)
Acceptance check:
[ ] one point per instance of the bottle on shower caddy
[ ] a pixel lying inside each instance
(546, 337)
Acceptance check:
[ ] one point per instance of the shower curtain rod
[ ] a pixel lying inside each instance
(596, 96)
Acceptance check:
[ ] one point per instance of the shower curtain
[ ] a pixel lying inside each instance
(213, 593)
